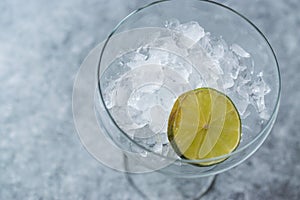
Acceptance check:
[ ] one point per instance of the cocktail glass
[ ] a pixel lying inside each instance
(146, 63)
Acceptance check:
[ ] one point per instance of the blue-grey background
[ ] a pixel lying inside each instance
(42, 44)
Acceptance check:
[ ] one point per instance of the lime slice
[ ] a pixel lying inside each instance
(203, 124)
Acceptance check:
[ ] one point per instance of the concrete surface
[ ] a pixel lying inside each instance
(42, 44)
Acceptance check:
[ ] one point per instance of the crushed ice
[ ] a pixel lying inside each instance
(230, 63)
(138, 110)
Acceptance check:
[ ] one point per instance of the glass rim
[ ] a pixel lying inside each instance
(184, 160)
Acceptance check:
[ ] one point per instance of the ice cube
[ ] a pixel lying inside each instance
(195, 80)
(208, 66)
(114, 72)
(123, 91)
(143, 153)
(242, 105)
(128, 60)
(146, 74)
(165, 143)
(218, 47)
(192, 30)
(172, 24)
(166, 97)
(248, 63)
(136, 58)
(215, 68)
(175, 83)
(144, 51)
(179, 66)
(197, 54)
(264, 114)
(120, 115)
(239, 51)
(158, 118)
(136, 149)
(243, 91)
(154, 143)
(137, 61)
(260, 103)
(170, 44)
(110, 95)
(205, 42)
(164, 137)
(138, 117)
(227, 81)
(260, 80)
(239, 102)
(259, 87)
(230, 65)
(267, 89)
(182, 70)
(142, 99)
(188, 34)
(151, 142)
(235, 70)
(245, 76)
(258, 91)
(142, 133)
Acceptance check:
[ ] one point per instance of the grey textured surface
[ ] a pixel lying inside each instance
(42, 44)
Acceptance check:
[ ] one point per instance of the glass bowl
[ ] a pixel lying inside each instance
(168, 47)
